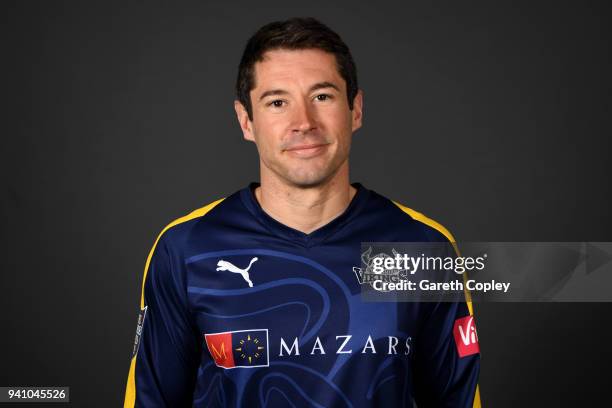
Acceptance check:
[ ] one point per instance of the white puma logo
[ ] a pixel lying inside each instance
(227, 266)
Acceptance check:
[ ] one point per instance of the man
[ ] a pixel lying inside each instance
(252, 301)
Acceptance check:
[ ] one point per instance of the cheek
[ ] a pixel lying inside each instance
(268, 132)
(339, 121)
(337, 113)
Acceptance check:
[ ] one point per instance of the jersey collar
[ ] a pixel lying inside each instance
(317, 236)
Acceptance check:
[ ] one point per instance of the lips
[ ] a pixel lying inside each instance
(306, 146)
(307, 150)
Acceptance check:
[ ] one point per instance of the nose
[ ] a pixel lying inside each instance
(304, 119)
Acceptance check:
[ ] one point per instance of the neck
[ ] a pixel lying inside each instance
(305, 209)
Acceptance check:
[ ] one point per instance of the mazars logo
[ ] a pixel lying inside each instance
(251, 348)
(465, 335)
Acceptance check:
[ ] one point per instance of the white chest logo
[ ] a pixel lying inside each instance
(228, 266)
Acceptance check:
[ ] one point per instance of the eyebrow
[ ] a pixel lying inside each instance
(323, 85)
(315, 87)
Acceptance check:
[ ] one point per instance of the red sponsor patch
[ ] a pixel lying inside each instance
(220, 348)
(466, 337)
(239, 348)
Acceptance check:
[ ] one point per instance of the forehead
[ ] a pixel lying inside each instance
(301, 67)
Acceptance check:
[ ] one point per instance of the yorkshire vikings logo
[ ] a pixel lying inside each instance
(240, 348)
(367, 276)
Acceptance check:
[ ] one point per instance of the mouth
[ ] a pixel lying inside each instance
(307, 150)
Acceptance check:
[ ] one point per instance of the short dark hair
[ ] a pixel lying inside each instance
(294, 34)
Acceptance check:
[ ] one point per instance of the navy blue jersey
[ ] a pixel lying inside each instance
(240, 310)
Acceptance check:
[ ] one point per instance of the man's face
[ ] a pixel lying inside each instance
(302, 123)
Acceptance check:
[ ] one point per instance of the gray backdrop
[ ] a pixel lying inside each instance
(118, 118)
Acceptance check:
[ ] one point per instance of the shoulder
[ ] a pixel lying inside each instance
(429, 224)
(178, 229)
(169, 236)
(406, 224)
(176, 232)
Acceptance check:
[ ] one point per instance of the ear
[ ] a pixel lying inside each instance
(357, 112)
(243, 120)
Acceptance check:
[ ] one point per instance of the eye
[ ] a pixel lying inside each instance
(323, 97)
(277, 103)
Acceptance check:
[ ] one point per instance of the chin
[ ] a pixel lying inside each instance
(309, 179)
(308, 175)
